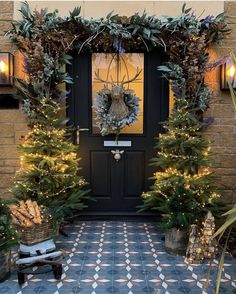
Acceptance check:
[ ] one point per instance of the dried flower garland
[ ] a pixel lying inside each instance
(109, 123)
(45, 39)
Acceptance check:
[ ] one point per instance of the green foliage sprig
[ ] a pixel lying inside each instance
(8, 235)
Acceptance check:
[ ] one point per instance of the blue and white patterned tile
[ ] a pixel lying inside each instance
(121, 258)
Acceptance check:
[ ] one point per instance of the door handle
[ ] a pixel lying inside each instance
(78, 130)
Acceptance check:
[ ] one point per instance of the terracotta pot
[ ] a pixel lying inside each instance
(5, 264)
(176, 241)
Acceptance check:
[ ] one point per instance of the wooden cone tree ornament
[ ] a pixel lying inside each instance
(194, 251)
(209, 245)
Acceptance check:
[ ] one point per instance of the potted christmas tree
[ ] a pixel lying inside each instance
(49, 163)
(8, 238)
(182, 190)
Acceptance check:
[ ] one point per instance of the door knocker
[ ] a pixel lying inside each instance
(117, 154)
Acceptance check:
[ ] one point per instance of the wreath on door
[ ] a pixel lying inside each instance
(117, 107)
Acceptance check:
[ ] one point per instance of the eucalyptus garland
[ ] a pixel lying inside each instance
(108, 123)
(45, 39)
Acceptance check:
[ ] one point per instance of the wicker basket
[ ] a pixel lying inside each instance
(37, 233)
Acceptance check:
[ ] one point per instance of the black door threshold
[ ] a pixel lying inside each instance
(120, 216)
(121, 213)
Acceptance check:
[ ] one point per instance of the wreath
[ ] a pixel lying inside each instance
(109, 123)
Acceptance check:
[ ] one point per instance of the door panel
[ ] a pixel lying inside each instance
(117, 186)
(134, 173)
(100, 177)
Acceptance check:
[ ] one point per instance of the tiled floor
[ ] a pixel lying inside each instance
(121, 257)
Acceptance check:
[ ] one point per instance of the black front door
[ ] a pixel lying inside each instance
(117, 185)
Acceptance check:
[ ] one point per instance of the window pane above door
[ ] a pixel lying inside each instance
(114, 67)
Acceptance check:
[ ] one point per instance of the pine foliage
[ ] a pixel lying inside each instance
(183, 189)
(49, 164)
(8, 235)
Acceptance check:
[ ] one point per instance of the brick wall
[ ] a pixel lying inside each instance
(12, 122)
(222, 132)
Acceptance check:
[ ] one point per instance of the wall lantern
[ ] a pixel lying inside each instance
(227, 74)
(6, 69)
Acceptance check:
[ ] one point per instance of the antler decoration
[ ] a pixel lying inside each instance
(101, 80)
(122, 81)
(132, 79)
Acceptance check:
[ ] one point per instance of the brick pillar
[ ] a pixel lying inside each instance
(222, 132)
(12, 121)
